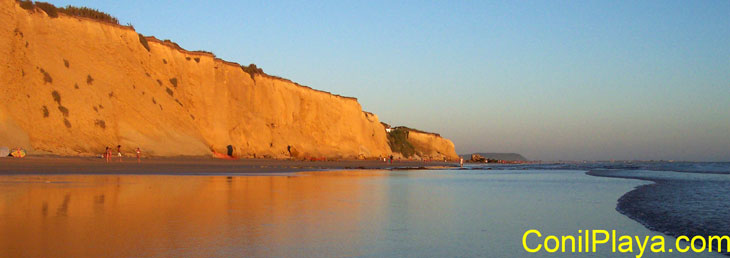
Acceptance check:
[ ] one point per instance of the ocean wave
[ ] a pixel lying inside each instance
(677, 203)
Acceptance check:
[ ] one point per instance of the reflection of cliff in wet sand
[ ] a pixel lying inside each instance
(131, 217)
(84, 84)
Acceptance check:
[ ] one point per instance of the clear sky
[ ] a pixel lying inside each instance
(555, 80)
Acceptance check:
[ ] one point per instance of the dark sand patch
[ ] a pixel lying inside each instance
(190, 165)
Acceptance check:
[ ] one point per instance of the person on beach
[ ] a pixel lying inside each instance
(139, 152)
(108, 154)
(391, 159)
(119, 152)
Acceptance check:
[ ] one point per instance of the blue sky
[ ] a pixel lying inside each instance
(553, 80)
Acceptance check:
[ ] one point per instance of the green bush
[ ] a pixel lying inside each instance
(398, 141)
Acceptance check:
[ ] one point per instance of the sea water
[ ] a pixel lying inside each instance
(432, 213)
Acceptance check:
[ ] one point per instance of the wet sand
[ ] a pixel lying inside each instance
(358, 213)
(50, 165)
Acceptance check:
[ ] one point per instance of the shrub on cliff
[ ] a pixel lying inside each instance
(85, 12)
(50, 9)
(46, 77)
(88, 13)
(398, 141)
(252, 70)
(27, 5)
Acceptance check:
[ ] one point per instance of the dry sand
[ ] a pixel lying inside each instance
(190, 165)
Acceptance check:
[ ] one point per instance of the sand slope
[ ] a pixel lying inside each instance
(72, 86)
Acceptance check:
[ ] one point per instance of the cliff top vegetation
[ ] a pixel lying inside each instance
(69, 10)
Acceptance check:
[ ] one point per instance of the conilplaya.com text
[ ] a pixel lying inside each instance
(592, 241)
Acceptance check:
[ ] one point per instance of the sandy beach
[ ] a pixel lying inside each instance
(49, 165)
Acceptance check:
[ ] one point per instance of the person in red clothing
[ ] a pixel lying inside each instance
(108, 154)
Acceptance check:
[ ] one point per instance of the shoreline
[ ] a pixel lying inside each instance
(59, 165)
(676, 203)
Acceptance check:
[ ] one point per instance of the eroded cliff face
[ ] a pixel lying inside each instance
(72, 86)
(411, 143)
(432, 146)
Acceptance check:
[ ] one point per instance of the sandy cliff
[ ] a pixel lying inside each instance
(432, 146)
(411, 143)
(72, 86)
